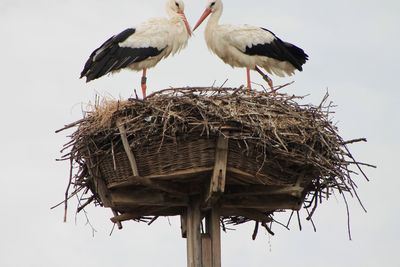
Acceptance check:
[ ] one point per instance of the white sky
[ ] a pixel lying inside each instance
(353, 48)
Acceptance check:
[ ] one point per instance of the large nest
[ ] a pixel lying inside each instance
(276, 145)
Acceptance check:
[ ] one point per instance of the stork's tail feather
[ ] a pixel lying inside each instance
(86, 70)
(101, 60)
(299, 56)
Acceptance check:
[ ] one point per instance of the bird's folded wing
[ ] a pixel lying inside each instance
(246, 36)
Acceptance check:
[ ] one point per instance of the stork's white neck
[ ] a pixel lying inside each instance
(214, 18)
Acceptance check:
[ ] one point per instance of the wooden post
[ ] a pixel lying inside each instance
(193, 221)
(212, 239)
(204, 250)
(218, 179)
(127, 148)
(215, 233)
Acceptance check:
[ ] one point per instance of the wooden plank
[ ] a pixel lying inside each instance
(127, 147)
(183, 174)
(102, 191)
(215, 232)
(262, 190)
(132, 215)
(146, 211)
(138, 181)
(243, 177)
(194, 255)
(126, 198)
(218, 178)
(206, 249)
(263, 204)
(145, 181)
(221, 159)
(184, 225)
(241, 173)
(125, 217)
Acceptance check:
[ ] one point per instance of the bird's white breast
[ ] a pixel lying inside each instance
(169, 34)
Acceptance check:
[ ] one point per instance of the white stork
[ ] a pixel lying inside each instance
(250, 47)
(142, 47)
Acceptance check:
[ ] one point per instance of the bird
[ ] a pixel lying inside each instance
(249, 46)
(142, 47)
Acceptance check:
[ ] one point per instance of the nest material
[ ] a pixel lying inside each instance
(275, 145)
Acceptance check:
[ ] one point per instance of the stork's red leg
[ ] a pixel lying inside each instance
(144, 80)
(265, 77)
(248, 79)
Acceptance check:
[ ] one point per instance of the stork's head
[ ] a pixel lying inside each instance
(177, 7)
(213, 6)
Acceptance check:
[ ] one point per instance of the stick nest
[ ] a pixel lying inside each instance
(274, 142)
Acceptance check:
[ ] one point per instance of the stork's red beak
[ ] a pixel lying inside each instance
(186, 23)
(202, 18)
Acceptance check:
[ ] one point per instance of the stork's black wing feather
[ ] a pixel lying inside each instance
(280, 50)
(111, 56)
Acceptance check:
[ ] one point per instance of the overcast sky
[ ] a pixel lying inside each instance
(353, 47)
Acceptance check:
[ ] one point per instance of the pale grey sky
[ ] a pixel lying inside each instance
(353, 48)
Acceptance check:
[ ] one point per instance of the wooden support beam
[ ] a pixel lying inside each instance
(263, 190)
(218, 179)
(215, 233)
(102, 191)
(178, 175)
(266, 204)
(206, 249)
(184, 225)
(138, 181)
(146, 211)
(126, 199)
(127, 147)
(132, 215)
(125, 217)
(240, 176)
(119, 223)
(194, 254)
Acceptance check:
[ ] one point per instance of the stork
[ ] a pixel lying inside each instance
(250, 47)
(142, 47)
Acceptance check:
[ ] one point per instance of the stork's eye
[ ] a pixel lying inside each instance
(212, 4)
(176, 3)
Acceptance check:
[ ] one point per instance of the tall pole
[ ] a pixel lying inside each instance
(203, 250)
(212, 252)
(193, 222)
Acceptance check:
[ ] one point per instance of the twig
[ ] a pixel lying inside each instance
(81, 207)
(70, 125)
(298, 220)
(67, 191)
(264, 224)
(348, 216)
(354, 141)
(254, 236)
